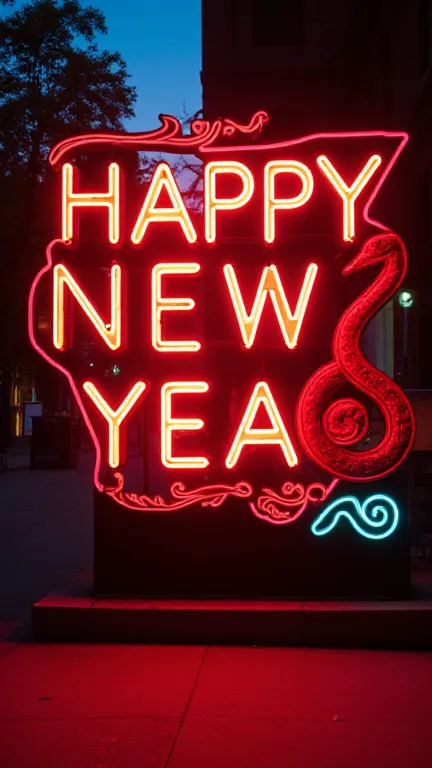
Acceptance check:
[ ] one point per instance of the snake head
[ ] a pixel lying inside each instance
(375, 249)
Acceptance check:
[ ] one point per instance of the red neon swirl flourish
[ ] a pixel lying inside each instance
(294, 498)
(326, 428)
(169, 135)
(206, 495)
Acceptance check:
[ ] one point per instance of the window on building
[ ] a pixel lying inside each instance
(278, 22)
(424, 22)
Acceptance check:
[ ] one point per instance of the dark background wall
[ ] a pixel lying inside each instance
(317, 65)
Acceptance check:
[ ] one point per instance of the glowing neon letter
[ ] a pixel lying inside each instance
(348, 194)
(170, 425)
(270, 285)
(274, 435)
(376, 518)
(110, 200)
(212, 203)
(114, 418)
(111, 333)
(272, 203)
(163, 179)
(161, 304)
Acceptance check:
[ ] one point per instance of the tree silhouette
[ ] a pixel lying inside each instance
(55, 81)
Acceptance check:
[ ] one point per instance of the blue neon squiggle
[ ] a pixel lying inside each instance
(376, 518)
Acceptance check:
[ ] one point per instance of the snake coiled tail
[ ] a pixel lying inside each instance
(328, 427)
(376, 518)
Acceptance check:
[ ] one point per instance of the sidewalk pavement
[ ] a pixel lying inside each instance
(141, 706)
(46, 530)
(132, 706)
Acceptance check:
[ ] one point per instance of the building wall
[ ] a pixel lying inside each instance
(341, 65)
(393, 77)
(273, 53)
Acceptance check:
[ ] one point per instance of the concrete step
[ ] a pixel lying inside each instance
(76, 615)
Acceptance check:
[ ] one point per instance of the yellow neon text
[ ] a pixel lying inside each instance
(274, 435)
(273, 203)
(163, 179)
(170, 424)
(348, 194)
(110, 333)
(162, 304)
(72, 200)
(270, 285)
(212, 203)
(114, 418)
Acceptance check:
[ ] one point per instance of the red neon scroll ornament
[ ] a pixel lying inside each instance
(327, 429)
(169, 135)
(205, 495)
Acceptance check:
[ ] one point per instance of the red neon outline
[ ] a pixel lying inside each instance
(167, 134)
(203, 136)
(59, 367)
(344, 135)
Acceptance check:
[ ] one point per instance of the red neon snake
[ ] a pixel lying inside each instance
(326, 427)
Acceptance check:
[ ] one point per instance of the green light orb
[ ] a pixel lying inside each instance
(406, 299)
(116, 370)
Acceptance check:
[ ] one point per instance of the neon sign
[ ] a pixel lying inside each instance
(231, 330)
(376, 518)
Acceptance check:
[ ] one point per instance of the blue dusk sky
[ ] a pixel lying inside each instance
(161, 44)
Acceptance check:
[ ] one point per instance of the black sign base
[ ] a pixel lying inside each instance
(228, 552)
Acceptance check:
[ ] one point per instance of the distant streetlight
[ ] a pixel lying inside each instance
(406, 299)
